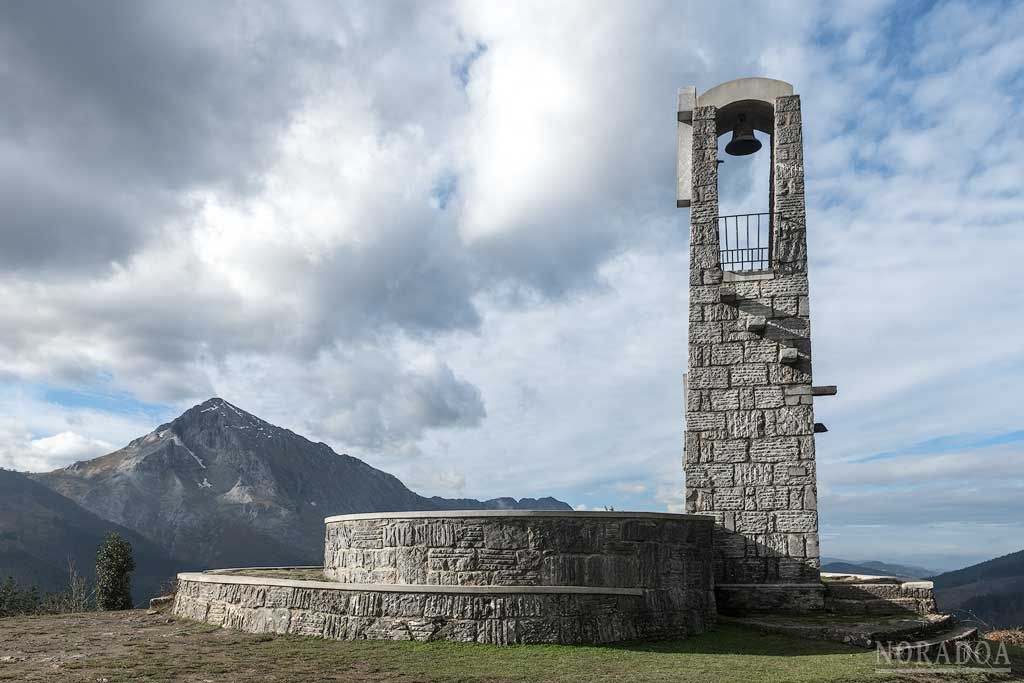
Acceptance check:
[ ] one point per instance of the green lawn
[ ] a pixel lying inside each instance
(134, 646)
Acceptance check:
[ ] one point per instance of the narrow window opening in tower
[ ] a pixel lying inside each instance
(743, 206)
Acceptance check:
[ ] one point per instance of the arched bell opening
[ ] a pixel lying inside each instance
(744, 112)
(745, 185)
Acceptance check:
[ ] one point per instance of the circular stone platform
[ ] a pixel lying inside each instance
(490, 576)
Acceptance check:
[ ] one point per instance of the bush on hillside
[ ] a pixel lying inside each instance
(16, 601)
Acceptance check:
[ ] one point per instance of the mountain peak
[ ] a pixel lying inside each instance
(213, 401)
(217, 411)
(217, 404)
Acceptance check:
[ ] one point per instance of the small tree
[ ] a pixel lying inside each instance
(76, 597)
(78, 589)
(8, 594)
(114, 565)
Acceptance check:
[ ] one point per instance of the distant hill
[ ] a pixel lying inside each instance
(219, 487)
(874, 567)
(1007, 566)
(993, 591)
(40, 530)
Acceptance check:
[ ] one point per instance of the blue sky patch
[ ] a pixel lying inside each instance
(948, 444)
(117, 402)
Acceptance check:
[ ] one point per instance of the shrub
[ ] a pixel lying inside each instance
(16, 601)
(114, 565)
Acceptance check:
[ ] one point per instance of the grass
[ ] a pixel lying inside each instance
(829, 619)
(136, 646)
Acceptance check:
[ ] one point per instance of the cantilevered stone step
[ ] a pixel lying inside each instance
(860, 632)
(913, 628)
(929, 647)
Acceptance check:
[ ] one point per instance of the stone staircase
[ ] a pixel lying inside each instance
(871, 611)
(856, 595)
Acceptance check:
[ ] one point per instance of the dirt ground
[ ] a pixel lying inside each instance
(109, 647)
(83, 647)
(136, 646)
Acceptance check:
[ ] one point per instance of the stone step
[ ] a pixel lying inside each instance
(932, 645)
(870, 606)
(858, 632)
(917, 628)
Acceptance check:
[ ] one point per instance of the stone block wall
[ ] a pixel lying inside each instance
(310, 608)
(749, 445)
(769, 598)
(668, 557)
(627, 550)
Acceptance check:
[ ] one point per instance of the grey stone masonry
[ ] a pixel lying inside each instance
(500, 577)
(318, 609)
(667, 557)
(749, 446)
(568, 549)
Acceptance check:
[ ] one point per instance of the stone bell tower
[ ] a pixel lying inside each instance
(749, 445)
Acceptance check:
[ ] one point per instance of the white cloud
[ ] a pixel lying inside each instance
(630, 488)
(69, 446)
(36, 435)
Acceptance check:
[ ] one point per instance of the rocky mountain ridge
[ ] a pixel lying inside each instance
(218, 486)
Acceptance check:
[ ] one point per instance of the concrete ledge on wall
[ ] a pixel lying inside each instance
(463, 514)
(747, 276)
(221, 577)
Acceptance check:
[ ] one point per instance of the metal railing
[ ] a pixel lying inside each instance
(745, 241)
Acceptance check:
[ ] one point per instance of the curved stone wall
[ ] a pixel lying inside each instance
(668, 557)
(487, 576)
(494, 615)
(520, 548)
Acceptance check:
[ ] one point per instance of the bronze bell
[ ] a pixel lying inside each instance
(743, 141)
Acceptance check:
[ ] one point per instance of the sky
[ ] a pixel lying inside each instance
(442, 237)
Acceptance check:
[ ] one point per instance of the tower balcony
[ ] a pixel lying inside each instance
(745, 242)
